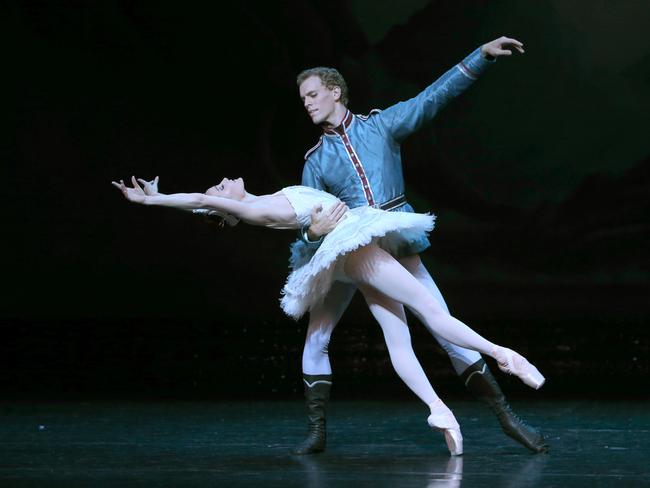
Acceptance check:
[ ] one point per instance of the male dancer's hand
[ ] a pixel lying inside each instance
(149, 187)
(501, 47)
(323, 223)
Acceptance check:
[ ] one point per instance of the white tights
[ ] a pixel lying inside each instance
(367, 267)
(392, 319)
(322, 320)
(461, 358)
(374, 270)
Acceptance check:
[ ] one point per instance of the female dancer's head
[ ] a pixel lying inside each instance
(226, 188)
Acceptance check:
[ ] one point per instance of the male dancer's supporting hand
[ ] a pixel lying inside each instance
(501, 47)
(323, 223)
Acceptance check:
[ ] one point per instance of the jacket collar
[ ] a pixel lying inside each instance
(342, 127)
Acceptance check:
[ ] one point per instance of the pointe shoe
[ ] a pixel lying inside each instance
(442, 419)
(512, 362)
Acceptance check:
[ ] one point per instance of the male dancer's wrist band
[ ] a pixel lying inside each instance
(305, 236)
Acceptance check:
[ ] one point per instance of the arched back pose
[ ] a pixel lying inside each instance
(356, 252)
(358, 160)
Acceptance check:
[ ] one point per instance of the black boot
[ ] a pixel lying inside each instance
(317, 394)
(480, 382)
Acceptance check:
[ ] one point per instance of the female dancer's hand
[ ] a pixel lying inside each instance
(135, 194)
(149, 187)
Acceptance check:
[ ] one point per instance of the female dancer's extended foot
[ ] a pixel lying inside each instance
(512, 362)
(442, 419)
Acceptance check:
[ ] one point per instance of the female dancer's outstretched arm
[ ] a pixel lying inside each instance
(262, 210)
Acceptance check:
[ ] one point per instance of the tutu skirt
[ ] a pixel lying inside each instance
(314, 272)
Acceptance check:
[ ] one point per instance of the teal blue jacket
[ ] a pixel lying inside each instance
(360, 160)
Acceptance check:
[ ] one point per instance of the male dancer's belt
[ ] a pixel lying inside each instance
(392, 204)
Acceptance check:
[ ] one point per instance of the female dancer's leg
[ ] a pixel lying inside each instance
(461, 358)
(392, 319)
(373, 268)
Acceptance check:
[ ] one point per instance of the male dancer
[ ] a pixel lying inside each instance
(358, 159)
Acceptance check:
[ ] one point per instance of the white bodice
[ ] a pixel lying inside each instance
(303, 199)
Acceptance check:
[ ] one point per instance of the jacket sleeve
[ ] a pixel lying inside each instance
(311, 176)
(404, 118)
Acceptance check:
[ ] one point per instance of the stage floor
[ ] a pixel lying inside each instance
(378, 444)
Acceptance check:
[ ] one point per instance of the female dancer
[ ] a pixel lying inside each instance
(357, 250)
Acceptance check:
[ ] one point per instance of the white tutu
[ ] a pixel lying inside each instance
(314, 274)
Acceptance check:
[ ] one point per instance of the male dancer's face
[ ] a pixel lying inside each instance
(319, 101)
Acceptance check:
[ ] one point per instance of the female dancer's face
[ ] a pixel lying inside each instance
(233, 189)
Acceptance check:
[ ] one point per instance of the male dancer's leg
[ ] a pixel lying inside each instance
(316, 368)
(474, 371)
(322, 320)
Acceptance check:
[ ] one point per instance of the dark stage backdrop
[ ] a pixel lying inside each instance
(539, 175)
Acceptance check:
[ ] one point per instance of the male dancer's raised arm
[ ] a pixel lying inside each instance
(404, 118)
